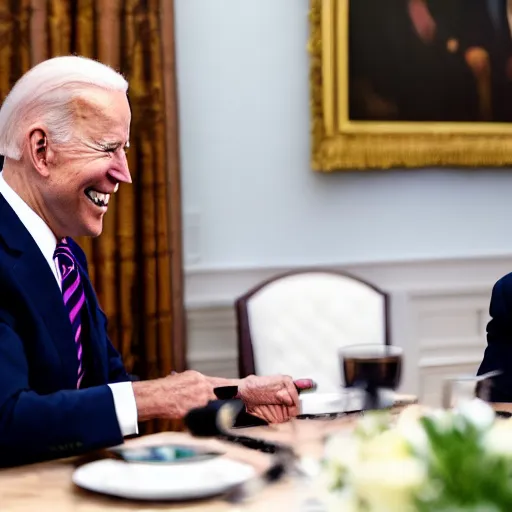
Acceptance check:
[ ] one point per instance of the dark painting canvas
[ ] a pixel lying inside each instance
(430, 60)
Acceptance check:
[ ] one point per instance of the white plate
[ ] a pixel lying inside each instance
(191, 480)
(342, 401)
(328, 403)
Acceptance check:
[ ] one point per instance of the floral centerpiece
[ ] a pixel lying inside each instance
(442, 461)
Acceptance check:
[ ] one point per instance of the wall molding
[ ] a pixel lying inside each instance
(209, 287)
(429, 362)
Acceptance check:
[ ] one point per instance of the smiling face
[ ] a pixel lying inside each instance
(79, 176)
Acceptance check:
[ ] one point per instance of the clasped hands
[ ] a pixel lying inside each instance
(272, 398)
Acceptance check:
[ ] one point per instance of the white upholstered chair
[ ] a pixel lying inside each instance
(295, 324)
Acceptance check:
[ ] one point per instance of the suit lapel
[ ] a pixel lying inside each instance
(31, 271)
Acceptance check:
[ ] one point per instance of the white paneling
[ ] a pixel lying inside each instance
(439, 310)
(450, 323)
(223, 364)
(451, 316)
(212, 341)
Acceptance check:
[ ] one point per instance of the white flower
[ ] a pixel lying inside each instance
(344, 501)
(498, 440)
(412, 430)
(443, 419)
(372, 424)
(382, 467)
(478, 413)
(389, 445)
(342, 449)
(388, 485)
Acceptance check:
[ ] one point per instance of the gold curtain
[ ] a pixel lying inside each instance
(130, 263)
(14, 42)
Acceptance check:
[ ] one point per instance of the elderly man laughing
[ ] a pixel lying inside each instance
(64, 129)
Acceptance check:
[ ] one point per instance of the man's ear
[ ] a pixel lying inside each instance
(38, 151)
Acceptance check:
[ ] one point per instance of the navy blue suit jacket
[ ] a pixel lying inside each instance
(42, 414)
(498, 354)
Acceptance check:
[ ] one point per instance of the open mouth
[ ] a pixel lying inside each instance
(98, 198)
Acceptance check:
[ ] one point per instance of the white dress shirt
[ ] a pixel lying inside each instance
(124, 398)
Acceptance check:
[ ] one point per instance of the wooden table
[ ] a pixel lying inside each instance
(47, 487)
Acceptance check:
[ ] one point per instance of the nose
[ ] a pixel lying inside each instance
(120, 172)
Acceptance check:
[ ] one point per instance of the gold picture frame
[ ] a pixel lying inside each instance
(339, 143)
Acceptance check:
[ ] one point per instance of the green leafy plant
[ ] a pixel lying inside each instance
(444, 461)
(463, 474)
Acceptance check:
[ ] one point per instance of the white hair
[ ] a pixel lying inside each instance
(44, 94)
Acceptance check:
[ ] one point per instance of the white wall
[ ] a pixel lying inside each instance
(249, 196)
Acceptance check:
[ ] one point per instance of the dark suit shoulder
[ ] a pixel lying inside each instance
(503, 286)
(498, 353)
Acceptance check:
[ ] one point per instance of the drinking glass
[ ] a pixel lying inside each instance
(369, 368)
(458, 389)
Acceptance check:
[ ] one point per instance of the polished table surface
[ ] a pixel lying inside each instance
(47, 487)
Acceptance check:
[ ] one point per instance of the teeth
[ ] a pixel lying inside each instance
(116, 188)
(98, 198)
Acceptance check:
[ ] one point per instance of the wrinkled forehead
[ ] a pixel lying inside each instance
(98, 112)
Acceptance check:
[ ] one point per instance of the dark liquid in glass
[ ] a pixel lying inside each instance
(373, 372)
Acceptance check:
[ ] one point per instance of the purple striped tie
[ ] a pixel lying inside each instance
(73, 295)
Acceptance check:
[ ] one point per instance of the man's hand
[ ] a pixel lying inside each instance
(273, 413)
(274, 398)
(172, 397)
(272, 390)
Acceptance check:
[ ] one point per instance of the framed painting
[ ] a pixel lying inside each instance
(410, 83)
